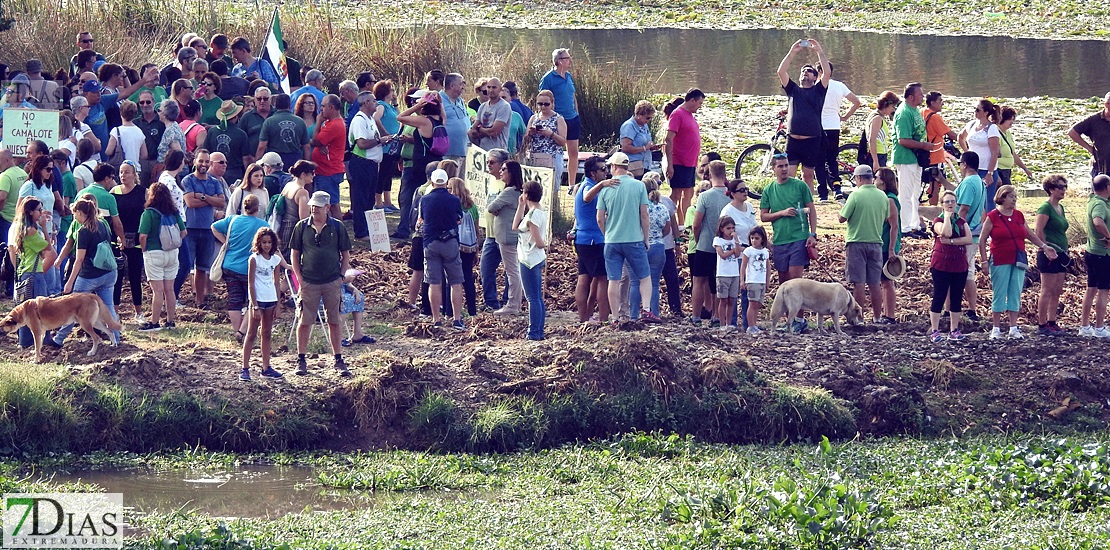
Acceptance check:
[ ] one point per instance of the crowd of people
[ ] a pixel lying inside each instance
(207, 167)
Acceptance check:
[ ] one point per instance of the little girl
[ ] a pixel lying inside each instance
(753, 275)
(727, 245)
(262, 269)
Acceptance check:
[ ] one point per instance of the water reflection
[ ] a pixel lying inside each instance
(744, 61)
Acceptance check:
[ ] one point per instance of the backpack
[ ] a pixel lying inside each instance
(468, 235)
(105, 258)
(276, 212)
(440, 141)
(169, 234)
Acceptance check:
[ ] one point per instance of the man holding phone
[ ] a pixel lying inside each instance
(803, 112)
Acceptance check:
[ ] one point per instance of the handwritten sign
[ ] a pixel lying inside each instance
(22, 126)
(379, 231)
(483, 186)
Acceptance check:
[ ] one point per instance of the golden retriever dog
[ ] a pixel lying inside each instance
(825, 299)
(43, 314)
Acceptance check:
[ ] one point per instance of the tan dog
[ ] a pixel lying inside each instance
(43, 314)
(826, 299)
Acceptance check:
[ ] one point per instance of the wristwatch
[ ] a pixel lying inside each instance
(812, 234)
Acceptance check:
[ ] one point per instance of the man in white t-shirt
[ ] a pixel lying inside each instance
(828, 172)
(491, 127)
(366, 155)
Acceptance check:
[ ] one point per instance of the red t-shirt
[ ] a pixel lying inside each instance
(687, 137)
(949, 258)
(1007, 236)
(333, 133)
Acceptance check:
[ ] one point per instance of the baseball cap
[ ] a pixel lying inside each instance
(618, 159)
(91, 86)
(271, 159)
(439, 177)
(864, 171)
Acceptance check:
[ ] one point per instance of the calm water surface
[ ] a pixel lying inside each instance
(745, 61)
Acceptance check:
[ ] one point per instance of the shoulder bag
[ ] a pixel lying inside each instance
(216, 272)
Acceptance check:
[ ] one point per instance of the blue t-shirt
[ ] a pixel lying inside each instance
(98, 118)
(441, 212)
(293, 97)
(261, 66)
(563, 90)
(640, 136)
(201, 218)
(521, 109)
(389, 118)
(586, 230)
(457, 124)
(972, 193)
(241, 237)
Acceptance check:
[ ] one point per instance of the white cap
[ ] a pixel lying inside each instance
(439, 177)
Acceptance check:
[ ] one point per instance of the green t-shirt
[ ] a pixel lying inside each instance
(150, 224)
(908, 124)
(1097, 207)
(516, 132)
(1006, 153)
(158, 91)
(622, 207)
(33, 245)
(780, 196)
(104, 200)
(898, 230)
(692, 244)
(208, 108)
(284, 133)
(1056, 230)
(320, 261)
(865, 210)
(11, 180)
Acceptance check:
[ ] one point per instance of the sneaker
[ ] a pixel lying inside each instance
(245, 375)
(342, 368)
(458, 325)
(1044, 330)
(972, 316)
(302, 367)
(147, 326)
(50, 343)
(507, 311)
(955, 336)
(884, 320)
(996, 333)
(649, 317)
(694, 321)
(1015, 333)
(799, 326)
(1087, 331)
(169, 325)
(271, 373)
(390, 209)
(1056, 330)
(138, 319)
(1102, 332)
(714, 323)
(754, 330)
(936, 337)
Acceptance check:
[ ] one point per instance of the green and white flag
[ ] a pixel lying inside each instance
(274, 52)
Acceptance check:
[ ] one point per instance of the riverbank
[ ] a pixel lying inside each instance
(634, 491)
(1045, 19)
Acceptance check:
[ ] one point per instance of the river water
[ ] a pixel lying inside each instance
(745, 61)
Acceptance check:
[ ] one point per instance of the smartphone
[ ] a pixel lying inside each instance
(805, 43)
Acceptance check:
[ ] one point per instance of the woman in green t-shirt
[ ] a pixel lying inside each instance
(1008, 156)
(31, 254)
(1052, 228)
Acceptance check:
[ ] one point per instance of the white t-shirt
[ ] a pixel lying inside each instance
(131, 138)
(830, 111)
(745, 219)
(978, 142)
(756, 272)
(726, 267)
(264, 289)
(529, 254)
(364, 128)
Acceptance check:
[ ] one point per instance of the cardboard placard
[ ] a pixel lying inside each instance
(482, 185)
(22, 126)
(379, 230)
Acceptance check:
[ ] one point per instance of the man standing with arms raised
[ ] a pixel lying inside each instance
(788, 205)
(803, 111)
(622, 215)
(909, 134)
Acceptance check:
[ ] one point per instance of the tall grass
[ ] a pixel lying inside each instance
(134, 32)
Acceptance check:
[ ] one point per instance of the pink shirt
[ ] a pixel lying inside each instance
(687, 138)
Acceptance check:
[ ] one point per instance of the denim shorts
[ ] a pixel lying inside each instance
(635, 253)
(329, 185)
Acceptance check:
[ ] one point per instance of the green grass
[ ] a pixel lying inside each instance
(663, 491)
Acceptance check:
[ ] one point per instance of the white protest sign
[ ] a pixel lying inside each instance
(379, 231)
(481, 184)
(22, 126)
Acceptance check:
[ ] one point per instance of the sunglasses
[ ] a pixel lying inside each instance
(543, 103)
(266, 98)
(219, 162)
(779, 156)
(1061, 187)
(145, 102)
(86, 40)
(949, 201)
(742, 190)
(319, 234)
(209, 83)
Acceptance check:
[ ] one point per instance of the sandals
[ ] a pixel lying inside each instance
(363, 340)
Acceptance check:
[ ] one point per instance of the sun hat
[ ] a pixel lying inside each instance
(895, 268)
(320, 198)
(228, 109)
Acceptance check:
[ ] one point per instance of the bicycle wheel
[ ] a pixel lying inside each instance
(754, 162)
(846, 156)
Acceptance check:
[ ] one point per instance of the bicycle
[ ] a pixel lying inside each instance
(755, 161)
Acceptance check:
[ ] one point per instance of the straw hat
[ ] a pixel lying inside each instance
(228, 110)
(895, 268)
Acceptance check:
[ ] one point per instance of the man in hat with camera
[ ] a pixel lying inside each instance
(320, 255)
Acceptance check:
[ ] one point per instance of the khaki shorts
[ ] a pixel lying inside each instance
(756, 292)
(160, 265)
(971, 250)
(332, 295)
(728, 287)
(864, 263)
